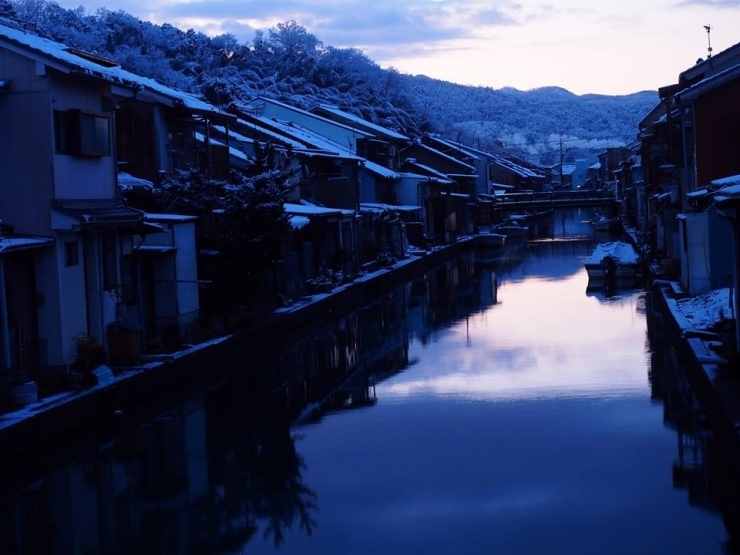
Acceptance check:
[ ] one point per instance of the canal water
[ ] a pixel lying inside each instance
(497, 408)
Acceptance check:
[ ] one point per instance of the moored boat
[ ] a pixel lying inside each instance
(613, 260)
(512, 229)
(602, 223)
(488, 238)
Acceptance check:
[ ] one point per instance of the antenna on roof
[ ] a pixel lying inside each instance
(709, 41)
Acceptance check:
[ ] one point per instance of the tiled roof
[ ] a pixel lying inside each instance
(89, 211)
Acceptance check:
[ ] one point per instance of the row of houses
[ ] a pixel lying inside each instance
(680, 180)
(85, 269)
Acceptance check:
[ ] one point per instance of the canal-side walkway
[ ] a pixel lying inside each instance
(126, 391)
(709, 368)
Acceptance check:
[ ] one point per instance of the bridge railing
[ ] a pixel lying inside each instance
(578, 194)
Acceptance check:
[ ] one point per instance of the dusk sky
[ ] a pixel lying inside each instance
(585, 46)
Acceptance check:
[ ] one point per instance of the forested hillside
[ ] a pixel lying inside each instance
(291, 64)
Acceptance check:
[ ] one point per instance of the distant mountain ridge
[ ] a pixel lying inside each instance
(533, 121)
(292, 65)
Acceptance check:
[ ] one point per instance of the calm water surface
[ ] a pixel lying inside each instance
(499, 409)
(527, 427)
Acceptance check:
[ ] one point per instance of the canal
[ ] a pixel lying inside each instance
(497, 408)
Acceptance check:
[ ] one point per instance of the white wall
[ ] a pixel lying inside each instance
(72, 301)
(26, 143)
(695, 253)
(82, 177)
(186, 272)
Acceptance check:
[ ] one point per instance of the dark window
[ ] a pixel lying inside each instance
(129, 294)
(71, 253)
(82, 133)
(110, 269)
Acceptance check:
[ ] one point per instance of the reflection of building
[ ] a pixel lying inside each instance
(134, 494)
(702, 466)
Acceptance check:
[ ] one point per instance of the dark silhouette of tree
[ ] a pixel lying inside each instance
(7, 10)
(254, 459)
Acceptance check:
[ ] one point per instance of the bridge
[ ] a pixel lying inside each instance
(554, 199)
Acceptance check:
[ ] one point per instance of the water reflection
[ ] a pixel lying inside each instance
(204, 477)
(215, 472)
(702, 468)
(475, 401)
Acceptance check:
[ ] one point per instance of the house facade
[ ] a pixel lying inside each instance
(61, 194)
(671, 154)
(159, 129)
(61, 183)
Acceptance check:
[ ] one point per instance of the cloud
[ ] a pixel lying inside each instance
(710, 3)
(378, 28)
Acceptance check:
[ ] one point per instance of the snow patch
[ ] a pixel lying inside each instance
(703, 311)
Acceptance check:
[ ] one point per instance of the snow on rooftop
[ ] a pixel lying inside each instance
(311, 115)
(323, 144)
(445, 156)
(362, 122)
(299, 222)
(161, 217)
(128, 182)
(313, 210)
(74, 61)
(624, 252)
(731, 192)
(10, 243)
(725, 181)
(235, 152)
(703, 311)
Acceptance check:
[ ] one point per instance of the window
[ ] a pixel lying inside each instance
(110, 268)
(71, 253)
(82, 133)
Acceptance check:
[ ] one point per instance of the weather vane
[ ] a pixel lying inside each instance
(709, 41)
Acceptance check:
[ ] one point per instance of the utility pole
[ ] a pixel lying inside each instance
(561, 162)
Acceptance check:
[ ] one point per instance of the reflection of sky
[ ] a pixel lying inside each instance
(525, 429)
(543, 339)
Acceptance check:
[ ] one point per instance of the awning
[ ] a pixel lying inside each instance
(458, 195)
(155, 249)
(99, 215)
(698, 193)
(10, 244)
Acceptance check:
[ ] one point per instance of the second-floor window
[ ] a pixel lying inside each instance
(79, 133)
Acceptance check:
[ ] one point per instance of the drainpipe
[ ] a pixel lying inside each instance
(4, 319)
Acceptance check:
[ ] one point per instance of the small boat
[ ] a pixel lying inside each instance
(602, 223)
(487, 238)
(512, 229)
(613, 261)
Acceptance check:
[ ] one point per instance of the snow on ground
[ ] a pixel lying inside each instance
(703, 311)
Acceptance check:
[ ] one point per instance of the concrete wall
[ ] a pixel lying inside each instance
(25, 157)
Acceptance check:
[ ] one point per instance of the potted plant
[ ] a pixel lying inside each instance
(124, 337)
(90, 353)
